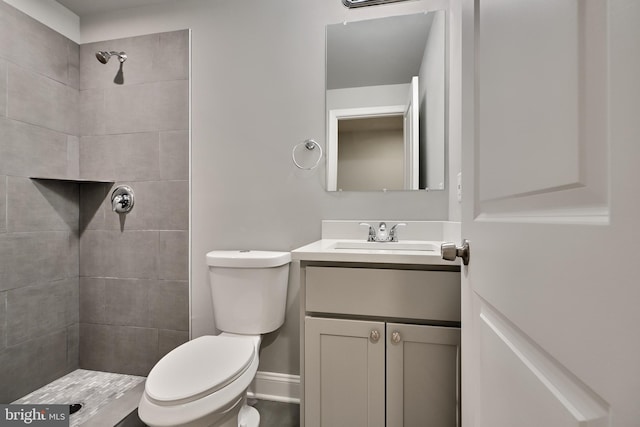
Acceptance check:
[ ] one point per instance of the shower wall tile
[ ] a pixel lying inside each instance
(92, 118)
(151, 58)
(93, 198)
(3, 204)
(147, 107)
(92, 300)
(32, 364)
(73, 71)
(27, 42)
(171, 57)
(159, 205)
(73, 157)
(35, 99)
(27, 150)
(172, 105)
(37, 257)
(168, 340)
(169, 305)
(35, 311)
(73, 347)
(127, 157)
(173, 206)
(136, 69)
(123, 349)
(45, 205)
(174, 155)
(4, 70)
(3, 320)
(145, 215)
(130, 255)
(127, 302)
(173, 255)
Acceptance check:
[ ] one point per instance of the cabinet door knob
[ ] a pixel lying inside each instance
(396, 337)
(374, 336)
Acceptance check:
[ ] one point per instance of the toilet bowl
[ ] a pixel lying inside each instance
(203, 382)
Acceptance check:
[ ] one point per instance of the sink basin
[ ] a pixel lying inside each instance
(389, 246)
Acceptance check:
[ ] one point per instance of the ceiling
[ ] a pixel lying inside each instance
(88, 7)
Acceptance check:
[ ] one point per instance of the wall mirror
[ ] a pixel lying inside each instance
(385, 103)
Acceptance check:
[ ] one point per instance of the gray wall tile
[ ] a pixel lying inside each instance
(73, 157)
(3, 204)
(92, 201)
(171, 59)
(169, 305)
(73, 57)
(126, 350)
(73, 347)
(145, 215)
(37, 257)
(41, 205)
(147, 107)
(130, 255)
(173, 255)
(173, 215)
(35, 99)
(35, 311)
(27, 42)
(126, 157)
(168, 340)
(138, 68)
(4, 70)
(92, 117)
(27, 150)
(32, 364)
(127, 302)
(174, 155)
(172, 105)
(92, 300)
(3, 320)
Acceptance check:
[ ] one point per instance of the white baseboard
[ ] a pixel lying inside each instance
(276, 387)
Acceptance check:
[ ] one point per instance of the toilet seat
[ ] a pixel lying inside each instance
(198, 368)
(172, 413)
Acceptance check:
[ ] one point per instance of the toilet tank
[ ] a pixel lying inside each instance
(249, 290)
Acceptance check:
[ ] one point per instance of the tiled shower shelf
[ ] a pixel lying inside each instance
(76, 180)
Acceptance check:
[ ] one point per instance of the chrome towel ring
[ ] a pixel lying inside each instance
(310, 145)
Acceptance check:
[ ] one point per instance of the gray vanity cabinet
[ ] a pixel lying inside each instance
(371, 358)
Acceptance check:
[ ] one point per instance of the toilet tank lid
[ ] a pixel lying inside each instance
(247, 259)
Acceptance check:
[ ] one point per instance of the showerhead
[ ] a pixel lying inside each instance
(104, 56)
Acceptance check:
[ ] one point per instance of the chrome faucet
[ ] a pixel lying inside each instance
(382, 235)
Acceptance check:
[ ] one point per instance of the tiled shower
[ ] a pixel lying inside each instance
(81, 286)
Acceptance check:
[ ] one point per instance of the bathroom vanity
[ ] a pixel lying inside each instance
(380, 343)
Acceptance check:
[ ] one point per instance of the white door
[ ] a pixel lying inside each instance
(551, 161)
(412, 137)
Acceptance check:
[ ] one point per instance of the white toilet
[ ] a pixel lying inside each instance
(203, 382)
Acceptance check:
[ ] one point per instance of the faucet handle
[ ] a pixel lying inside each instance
(392, 234)
(372, 232)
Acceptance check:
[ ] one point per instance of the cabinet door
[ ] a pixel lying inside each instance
(423, 376)
(344, 373)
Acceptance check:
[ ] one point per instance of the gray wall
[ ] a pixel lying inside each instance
(258, 89)
(134, 289)
(39, 80)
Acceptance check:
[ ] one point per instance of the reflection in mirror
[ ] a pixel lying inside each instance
(386, 103)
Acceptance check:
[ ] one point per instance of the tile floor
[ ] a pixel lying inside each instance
(98, 392)
(93, 389)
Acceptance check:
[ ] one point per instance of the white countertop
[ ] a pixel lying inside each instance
(325, 250)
